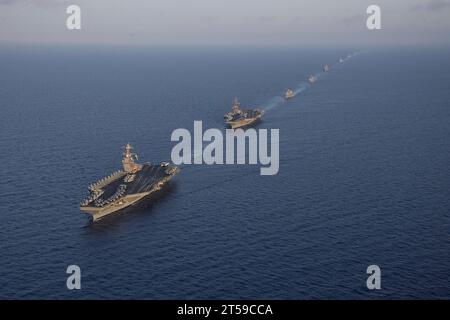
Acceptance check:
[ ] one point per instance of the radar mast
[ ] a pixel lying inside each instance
(236, 106)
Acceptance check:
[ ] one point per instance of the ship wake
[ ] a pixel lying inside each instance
(302, 87)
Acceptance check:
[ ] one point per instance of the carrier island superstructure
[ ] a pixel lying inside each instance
(126, 187)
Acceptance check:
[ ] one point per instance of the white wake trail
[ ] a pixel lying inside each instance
(277, 101)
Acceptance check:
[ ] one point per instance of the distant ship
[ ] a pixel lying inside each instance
(311, 79)
(326, 68)
(126, 187)
(238, 118)
(341, 60)
(289, 94)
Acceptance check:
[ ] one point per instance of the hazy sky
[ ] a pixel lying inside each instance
(225, 22)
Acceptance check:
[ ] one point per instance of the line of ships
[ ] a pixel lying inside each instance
(136, 182)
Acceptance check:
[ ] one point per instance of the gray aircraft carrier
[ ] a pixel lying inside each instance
(126, 187)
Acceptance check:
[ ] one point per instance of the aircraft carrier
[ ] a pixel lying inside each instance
(126, 187)
(238, 118)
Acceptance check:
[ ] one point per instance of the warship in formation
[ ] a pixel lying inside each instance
(326, 68)
(311, 79)
(289, 93)
(126, 187)
(238, 118)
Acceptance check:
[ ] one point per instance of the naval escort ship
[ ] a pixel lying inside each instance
(126, 187)
(326, 68)
(289, 93)
(311, 79)
(238, 118)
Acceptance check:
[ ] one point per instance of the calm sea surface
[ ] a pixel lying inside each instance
(364, 174)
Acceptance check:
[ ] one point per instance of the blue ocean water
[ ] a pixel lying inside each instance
(364, 174)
